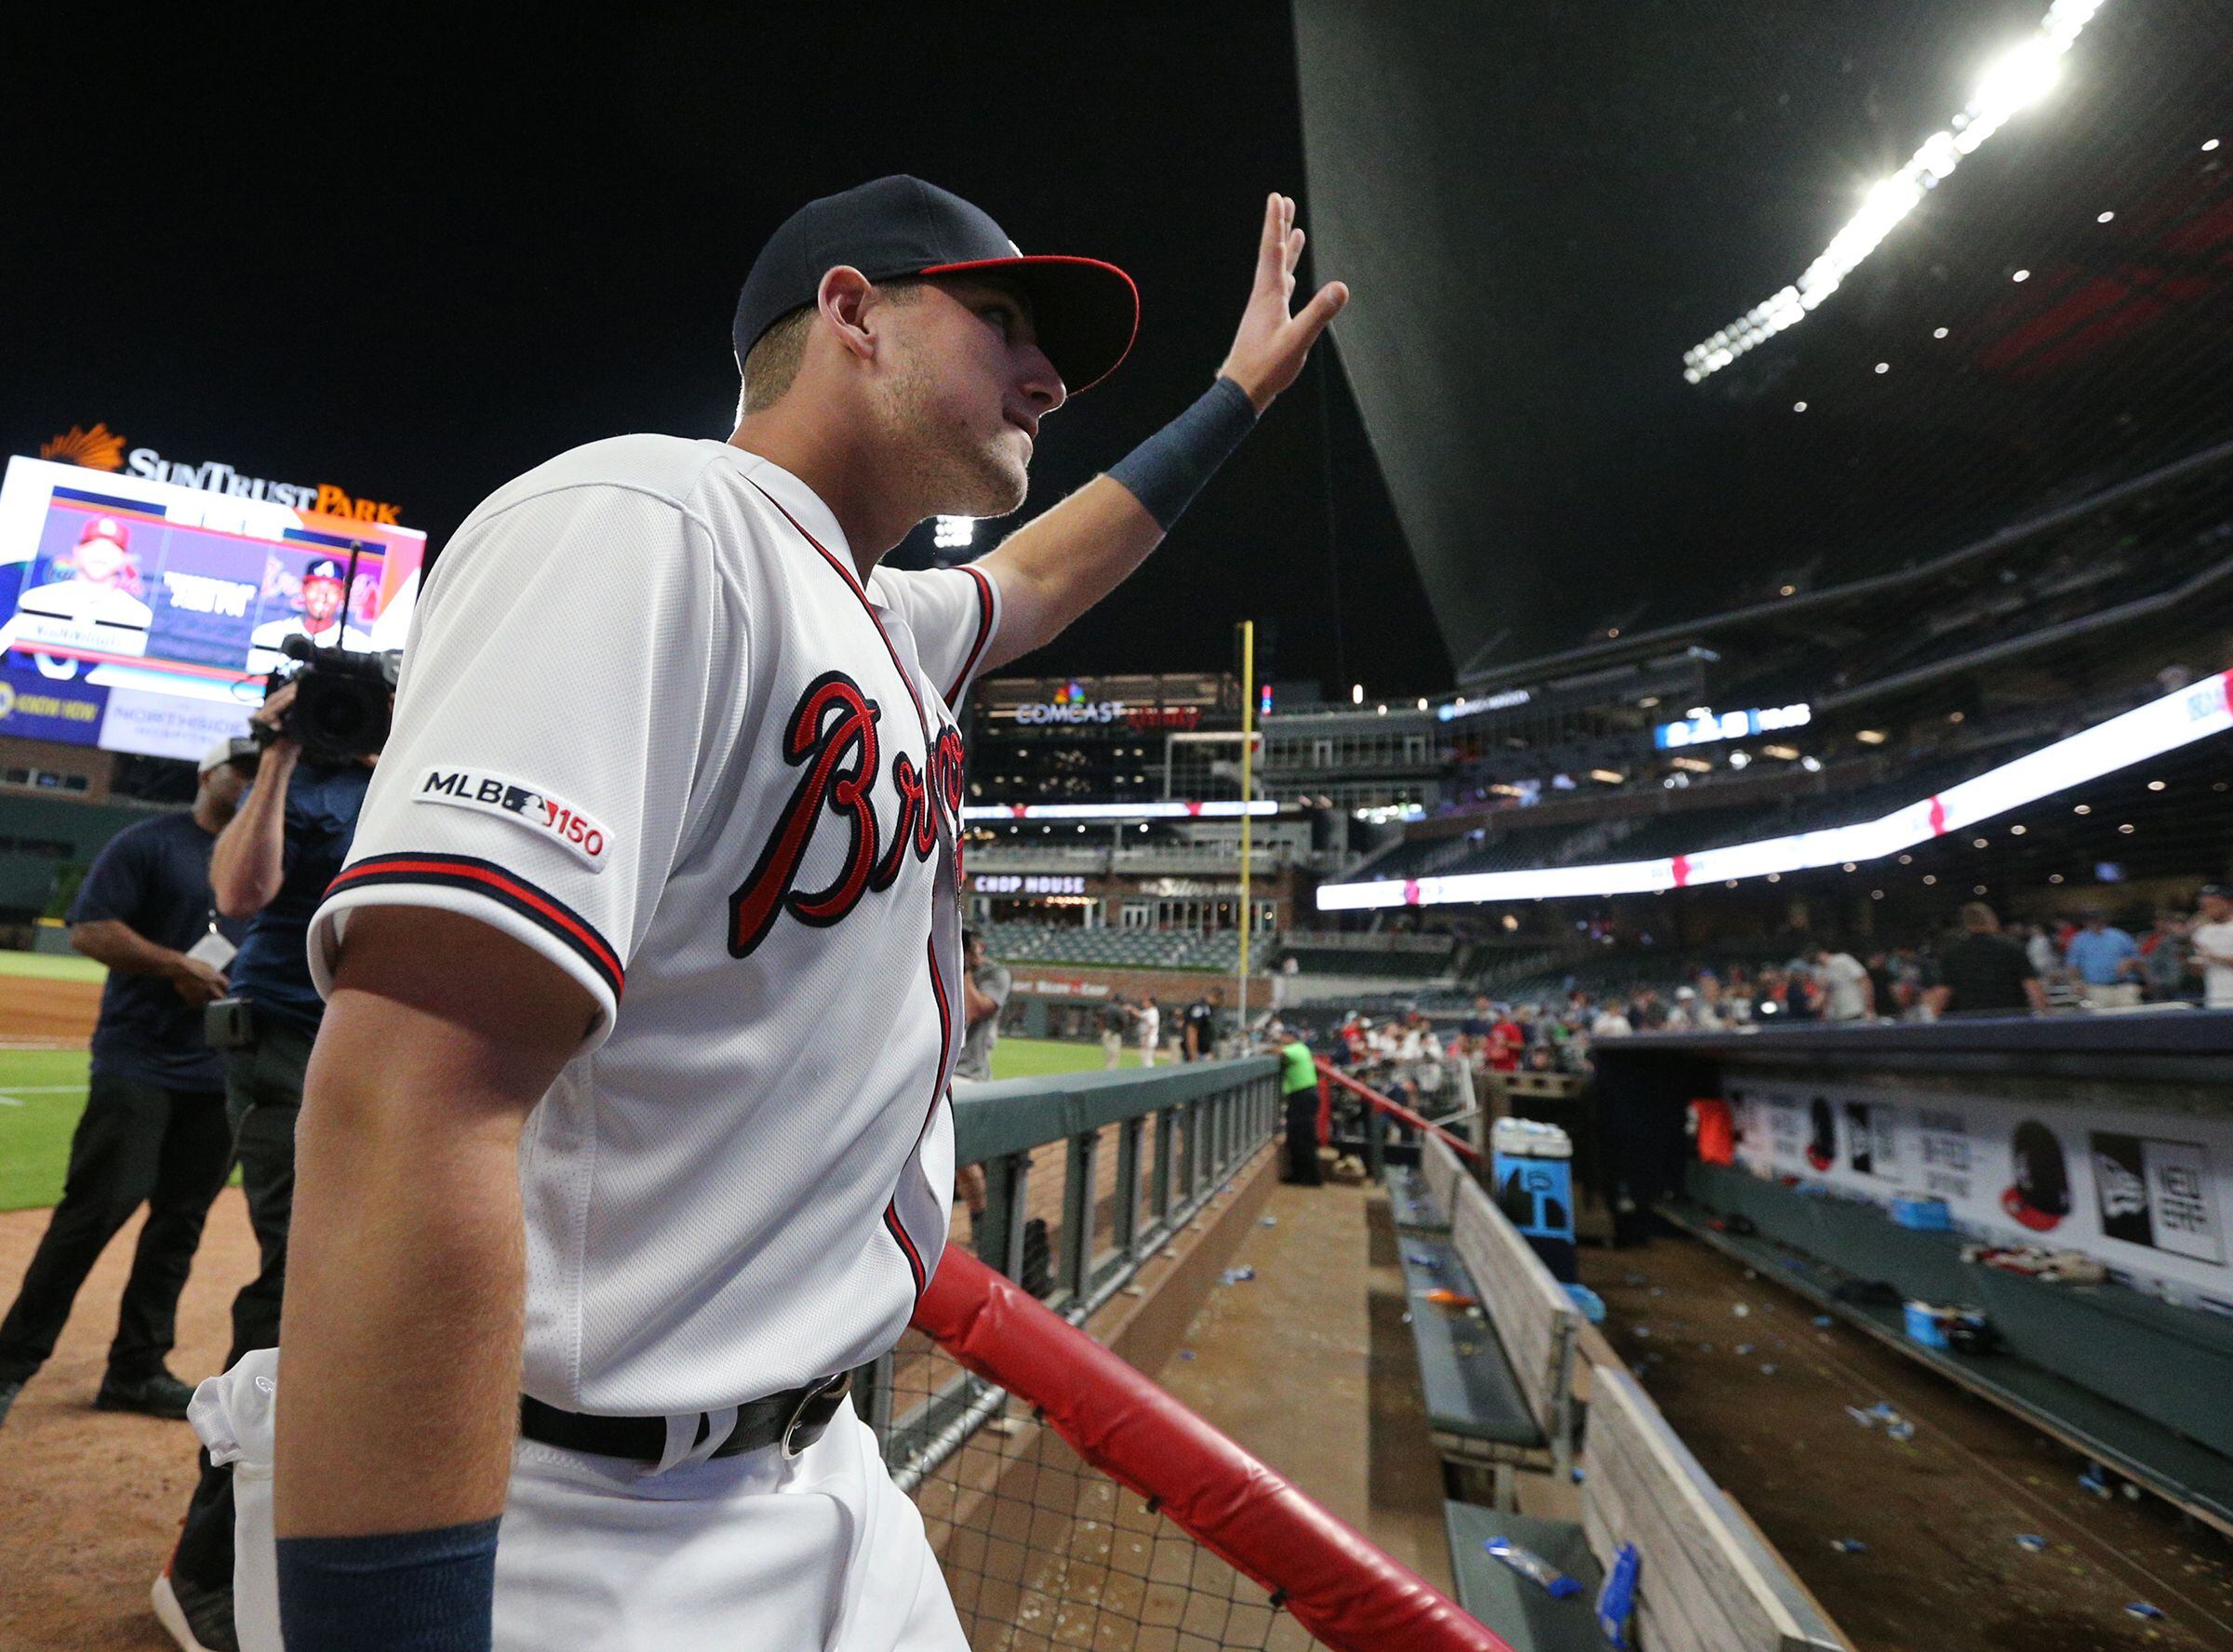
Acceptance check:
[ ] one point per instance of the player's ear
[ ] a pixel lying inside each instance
(843, 301)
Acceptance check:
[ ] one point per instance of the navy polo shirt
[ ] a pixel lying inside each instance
(154, 878)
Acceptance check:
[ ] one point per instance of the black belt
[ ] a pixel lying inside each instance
(794, 1419)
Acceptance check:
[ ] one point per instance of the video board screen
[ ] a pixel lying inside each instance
(172, 604)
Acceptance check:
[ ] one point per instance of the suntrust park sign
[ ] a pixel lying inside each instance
(98, 449)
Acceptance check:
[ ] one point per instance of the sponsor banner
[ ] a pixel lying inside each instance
(155, 725)
(1010, 883)
(2143, 1194)
(1061, 987)
(34, 707)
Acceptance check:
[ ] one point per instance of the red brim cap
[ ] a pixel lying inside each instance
(2037, 1220)
(1085, 313)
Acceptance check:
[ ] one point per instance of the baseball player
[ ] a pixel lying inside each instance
(625, 1135)
(98, 608)
(325, 597)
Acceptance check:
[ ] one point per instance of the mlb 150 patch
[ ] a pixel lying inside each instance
(523, 804)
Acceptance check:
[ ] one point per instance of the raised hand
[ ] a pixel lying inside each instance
(1272, 345)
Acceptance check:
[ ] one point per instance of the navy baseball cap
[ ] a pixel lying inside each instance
(1085, 311)
(323, 568)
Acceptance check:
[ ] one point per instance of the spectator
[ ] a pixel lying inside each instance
(2213, 938)
(1483, 1016)
(2166, 960)
(1884, 986)
(2039, 950)
(1848, 994)
(1646, 1013)
(2105, 960)
(1148, 1020)
(1612, 1022)
(154, 1131)
(1505, 1041)
(1984, 972)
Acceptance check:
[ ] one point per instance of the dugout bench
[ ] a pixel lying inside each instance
(1498, 1377)
(1707, 1581)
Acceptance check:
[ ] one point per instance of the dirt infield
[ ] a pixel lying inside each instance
(39, 1012)
(94, 1499)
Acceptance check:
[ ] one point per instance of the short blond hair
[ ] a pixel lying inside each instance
(771, 366)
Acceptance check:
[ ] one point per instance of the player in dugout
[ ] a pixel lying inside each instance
(596, 1267)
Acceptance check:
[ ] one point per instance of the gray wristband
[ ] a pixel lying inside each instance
(1165, 471)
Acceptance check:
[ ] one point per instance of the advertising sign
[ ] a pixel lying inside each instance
(31, 708)
(2144, 1195)
(150, 592)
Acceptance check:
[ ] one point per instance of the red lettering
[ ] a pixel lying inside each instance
(830, 735)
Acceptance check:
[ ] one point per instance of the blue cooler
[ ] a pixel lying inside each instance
(1533, 1170)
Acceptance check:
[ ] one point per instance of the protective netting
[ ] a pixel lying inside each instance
(1042, 1551)
(1107, 1514)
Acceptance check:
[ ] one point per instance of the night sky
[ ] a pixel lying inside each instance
(415, 259)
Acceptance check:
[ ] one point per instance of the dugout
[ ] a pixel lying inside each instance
(2107, 1136)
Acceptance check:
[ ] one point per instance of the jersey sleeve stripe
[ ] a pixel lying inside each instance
(915, 1259)
(984, 633)
(485, 878)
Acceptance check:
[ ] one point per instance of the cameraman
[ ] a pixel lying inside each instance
(271, 865)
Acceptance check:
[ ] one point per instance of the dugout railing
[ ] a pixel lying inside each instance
(1071, 1500)
(1086, 1175)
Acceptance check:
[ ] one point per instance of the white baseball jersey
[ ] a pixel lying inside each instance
(652, 724)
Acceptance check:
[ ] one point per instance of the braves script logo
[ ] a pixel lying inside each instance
(531, 807)
(831, 738)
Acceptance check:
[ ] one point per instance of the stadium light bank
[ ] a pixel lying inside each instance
(2013, 82)
(2179, 719)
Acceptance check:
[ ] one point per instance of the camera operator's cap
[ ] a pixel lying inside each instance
(1084, 312)
(323, 568)
(109, 528)
(217, 756)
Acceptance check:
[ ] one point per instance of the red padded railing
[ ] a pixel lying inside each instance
(1464, 1150)
(1335, 1583)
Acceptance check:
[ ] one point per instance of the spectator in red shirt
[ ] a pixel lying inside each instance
(1505, 1042)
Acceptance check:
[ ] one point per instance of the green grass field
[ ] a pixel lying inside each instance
(59, 967)
(43, 1091)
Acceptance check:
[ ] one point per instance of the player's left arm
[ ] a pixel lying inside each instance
(1061, 564)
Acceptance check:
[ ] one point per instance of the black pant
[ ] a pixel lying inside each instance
(136, 1143)
(1303, 1138)
(263, 1095)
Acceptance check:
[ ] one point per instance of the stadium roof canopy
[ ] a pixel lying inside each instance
(1542, 208)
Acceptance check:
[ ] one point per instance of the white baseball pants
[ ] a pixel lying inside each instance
(748, 1553)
